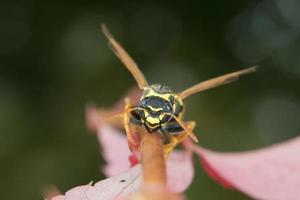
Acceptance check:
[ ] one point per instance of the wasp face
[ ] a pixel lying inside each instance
(156, 112)
(156, 107)
(153, 112)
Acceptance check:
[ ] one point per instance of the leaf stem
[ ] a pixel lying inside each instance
(154, 169)
(153, 162)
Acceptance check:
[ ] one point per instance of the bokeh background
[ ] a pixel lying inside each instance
(54, 59)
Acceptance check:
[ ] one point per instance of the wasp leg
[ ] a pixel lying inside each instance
(171, 145)
(115, 119)
(182, 135)
(176, 139)
(128, 107)
(184, 126)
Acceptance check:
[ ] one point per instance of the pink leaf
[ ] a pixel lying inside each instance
(180, 174)
(271, 173)
(115, 150)
(123, 185)
(180, 171)
(92, 117)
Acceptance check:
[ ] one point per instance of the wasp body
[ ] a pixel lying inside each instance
(160, 110)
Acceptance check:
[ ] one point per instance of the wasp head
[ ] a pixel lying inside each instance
(153, 112)
(157, 106)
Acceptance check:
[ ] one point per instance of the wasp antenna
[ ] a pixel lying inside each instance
(106, 31)
(125, 58)
(215, 82)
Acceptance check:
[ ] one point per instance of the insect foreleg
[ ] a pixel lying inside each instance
(178, 138)
(182, 135)
(171, 145)
(184, 126)
(128, 108)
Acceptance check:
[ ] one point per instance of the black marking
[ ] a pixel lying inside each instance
(150, 129)
(166, 118)
(172, 127)
(178, 108)
(136, 115)
(122, 181)
(154, 102)
(171, 99)
(167, 108)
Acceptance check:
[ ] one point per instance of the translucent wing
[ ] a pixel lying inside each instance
(215, 82)
(125, 58)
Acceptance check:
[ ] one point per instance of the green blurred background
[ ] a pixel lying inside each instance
(54, 59)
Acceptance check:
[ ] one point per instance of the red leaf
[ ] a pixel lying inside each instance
(133, 160)
(271, 173)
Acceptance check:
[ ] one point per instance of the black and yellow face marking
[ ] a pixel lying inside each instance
(157, 106)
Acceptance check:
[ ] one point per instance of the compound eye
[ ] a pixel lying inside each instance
(143, 103)
(166, 108)
(136, 115)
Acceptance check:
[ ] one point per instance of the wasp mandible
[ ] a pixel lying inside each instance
(160, 109)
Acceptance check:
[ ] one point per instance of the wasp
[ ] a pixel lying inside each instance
(160, 109)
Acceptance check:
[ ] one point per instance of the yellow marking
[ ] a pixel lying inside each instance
(152, 120)
(151, 92)
(154, 126)
(179, 100)
(155, 109)
(161, 116)
(148, 91)
(146, 113)
(174, 106)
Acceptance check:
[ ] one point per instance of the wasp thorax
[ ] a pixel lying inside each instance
(157, 106)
